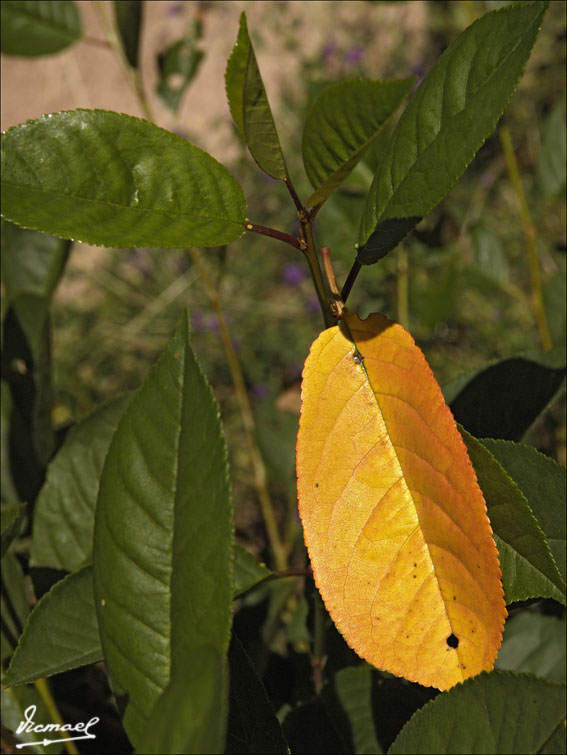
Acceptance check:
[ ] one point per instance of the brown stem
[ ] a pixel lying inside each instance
(352, 276)
(274, 234)
(296, 200)
(338, 305)
(313, 261)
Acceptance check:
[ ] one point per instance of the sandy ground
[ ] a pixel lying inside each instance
(88, 75)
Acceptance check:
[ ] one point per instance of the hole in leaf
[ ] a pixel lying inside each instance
(453, 641)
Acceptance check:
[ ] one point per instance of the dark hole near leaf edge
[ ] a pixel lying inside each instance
(453, 641)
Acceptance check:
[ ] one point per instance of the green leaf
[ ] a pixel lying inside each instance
(115, 180)
(497, 712)
(528, 568)
(38, 27)
(128, 17)
(489, 256)
(65, 510)
(503, 398)
(554, 298)
(15, 604)
(542, 481)
(253, 726)
(353, 688)
(190, 715)
(249, 106)
(60, 634)
(455, 108)
(534, 643)
(32, 263)
(12, 517)
(247, 571)
(178, 66)
(342, 124)
(551, 168)
(163, 543)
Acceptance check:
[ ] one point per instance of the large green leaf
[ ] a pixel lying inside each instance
(128, 17)
(534, 643)
(61, 632)
(190, 716)
(528, 568)
(455, 108)
(503, 398)
(497, 712)
(163, 543)
(342, 124)
(65, 509)
(249, 106)
(542, 481)
(115, 180)
(38, 27)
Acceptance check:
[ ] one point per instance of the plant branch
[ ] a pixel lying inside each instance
(318, 657)
(352, 276)
(274, 234)
(258, 467)
(338, 304)
(296, 200)
(402, 287)
(313, 261)
(530, 235)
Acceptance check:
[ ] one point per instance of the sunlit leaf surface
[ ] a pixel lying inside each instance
(394, 520)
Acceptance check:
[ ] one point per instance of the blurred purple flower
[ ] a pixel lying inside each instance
(312, 303)
(354, 55)
(212, 323)
(293, 274)
(197, 321)
(260, 391)
(329, 49)
(174, 9)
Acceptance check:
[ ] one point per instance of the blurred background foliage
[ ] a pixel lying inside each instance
(460, 283)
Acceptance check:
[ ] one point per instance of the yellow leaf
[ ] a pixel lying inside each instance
(394, 520)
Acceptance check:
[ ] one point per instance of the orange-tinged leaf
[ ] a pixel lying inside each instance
(393, 517)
